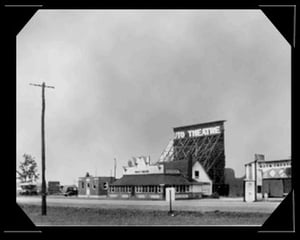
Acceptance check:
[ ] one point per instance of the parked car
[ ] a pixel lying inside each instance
(70, 191)
(28, 189)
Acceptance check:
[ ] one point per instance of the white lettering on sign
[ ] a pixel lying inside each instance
(179, 135)
(199, 132)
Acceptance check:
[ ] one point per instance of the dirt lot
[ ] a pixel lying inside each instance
(202, 205)
(62, 215)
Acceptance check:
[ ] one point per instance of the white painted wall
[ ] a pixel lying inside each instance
(249, 191)
(206, 188)
(143, 168)
(203, 177)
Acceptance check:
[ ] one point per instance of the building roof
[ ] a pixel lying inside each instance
(102, 179)
(181, 165)
(269, 161)
(151, 179)
(275, 160)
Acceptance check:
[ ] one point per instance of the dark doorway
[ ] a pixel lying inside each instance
(273, 187)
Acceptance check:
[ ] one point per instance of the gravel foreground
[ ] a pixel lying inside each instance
(62, 216)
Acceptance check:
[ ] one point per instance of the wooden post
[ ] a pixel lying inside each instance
(44, 206)
(44, 194)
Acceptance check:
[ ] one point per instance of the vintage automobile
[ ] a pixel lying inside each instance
(28, 189)
(70, 190)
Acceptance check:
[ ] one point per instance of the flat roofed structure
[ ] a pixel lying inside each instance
(267, 178)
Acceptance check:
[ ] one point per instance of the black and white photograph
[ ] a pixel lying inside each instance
(147, 117)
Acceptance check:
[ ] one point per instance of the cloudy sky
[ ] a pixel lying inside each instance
(124, 79)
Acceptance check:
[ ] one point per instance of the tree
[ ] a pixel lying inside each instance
(28, 169)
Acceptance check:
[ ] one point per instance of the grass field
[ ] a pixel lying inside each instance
(92, 216)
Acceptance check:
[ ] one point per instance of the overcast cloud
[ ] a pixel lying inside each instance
(124, 79)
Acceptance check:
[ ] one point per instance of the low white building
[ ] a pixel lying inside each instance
(143, 180)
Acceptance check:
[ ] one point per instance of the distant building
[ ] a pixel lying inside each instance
(53, 187)
(91, 186)
(266, 179)
(235, 185)
(143, 180)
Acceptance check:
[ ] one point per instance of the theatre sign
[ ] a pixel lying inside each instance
(198, 132)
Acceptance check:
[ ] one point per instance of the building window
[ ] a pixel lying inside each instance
(88, 185)
(82, 184)
(159, 189)
(94, 186)
(196, 174)
(187, 188)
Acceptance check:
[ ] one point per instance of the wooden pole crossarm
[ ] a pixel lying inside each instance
(40, 85)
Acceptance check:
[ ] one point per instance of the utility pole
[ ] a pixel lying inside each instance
(44, 205)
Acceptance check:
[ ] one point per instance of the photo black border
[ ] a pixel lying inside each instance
(15, 220)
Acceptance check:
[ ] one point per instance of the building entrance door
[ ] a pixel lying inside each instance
(88, 190)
